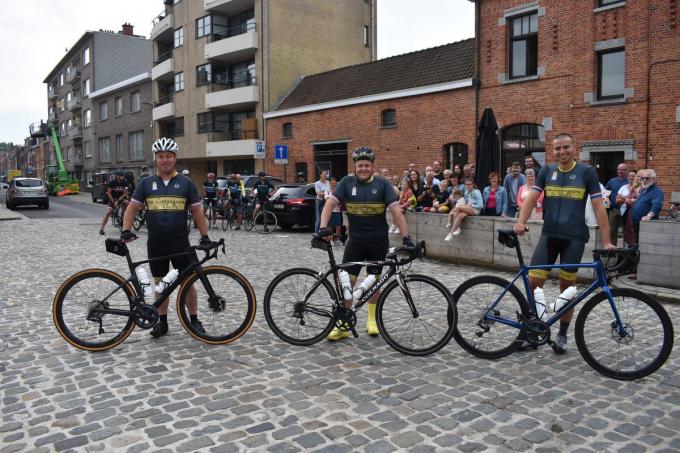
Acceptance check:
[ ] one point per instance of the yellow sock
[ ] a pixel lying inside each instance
(371, 326)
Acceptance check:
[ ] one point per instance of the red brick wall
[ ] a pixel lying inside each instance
(424, 125)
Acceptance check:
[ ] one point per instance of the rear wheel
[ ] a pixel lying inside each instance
(265, 222)
(139, 220)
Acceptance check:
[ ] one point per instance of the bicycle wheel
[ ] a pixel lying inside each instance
(265, 222)
(649, 339)
(75, 315)
(294, 318)
(420, 334)
(228, 315)
(482, 337)
(248, 223)
(226, 220)
(139, 220)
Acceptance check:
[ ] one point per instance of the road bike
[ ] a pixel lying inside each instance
(673, 211)
(231, 212)
(97, 309)
(265, 220)
(211, 212)
(140, 219)
(248, 221)
(302, 306)
(622, 333)
(117, 214)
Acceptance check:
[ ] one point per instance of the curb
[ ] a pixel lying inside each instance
(669, 296)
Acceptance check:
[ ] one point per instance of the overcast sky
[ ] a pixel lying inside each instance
(34, 35)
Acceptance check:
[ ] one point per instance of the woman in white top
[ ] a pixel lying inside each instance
(321, 186)
(336, 217)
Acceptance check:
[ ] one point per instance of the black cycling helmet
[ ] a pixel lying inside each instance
(363, 153)
(120, 173)
(262, 174)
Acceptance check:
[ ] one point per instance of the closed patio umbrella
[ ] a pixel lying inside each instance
(488, 148)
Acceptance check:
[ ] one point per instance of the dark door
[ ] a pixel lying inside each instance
(605, 164)
(331, 157)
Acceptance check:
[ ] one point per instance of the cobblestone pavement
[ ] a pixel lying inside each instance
(258, 394)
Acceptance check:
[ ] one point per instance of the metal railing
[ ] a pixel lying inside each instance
(238, 80)
(73, 104)
(73, 75)
(162, 57)
(220, 32)
(156, 20)
(228, 135)
(166, 98)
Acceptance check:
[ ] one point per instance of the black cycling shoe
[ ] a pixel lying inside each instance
(198, 326)
(238, 227)
(101, 231)
(159, 330)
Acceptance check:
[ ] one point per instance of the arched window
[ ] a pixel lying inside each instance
(287, 130)
(389, 118)
(521, 141)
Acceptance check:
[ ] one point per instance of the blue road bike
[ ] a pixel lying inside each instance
(622, 333)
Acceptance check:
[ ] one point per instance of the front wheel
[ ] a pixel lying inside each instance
(410, 319)
(296, 313)
(225, 305)
(82, 305)
(487, 324)
(139, 220)
(640, 351)
(265, 222)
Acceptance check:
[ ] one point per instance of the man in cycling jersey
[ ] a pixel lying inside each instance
(366, 198)
(116, 193)
(567, 185)
(236, 192)
(168, 195)
(262, 190)
(210, 192)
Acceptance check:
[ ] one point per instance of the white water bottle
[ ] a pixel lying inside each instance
(365, 286)
(167, 281)
(346, 285)
(564, 298)
(144, 281)
(539, 298)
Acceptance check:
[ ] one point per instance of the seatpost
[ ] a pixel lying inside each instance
(520, 257)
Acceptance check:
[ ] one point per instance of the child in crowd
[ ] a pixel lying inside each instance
(455, 200)
(472, 207)
(441, 204)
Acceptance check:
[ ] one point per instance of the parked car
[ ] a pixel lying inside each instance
(249, 182)
(293, 204)
(27, 191)
(102, 179)
(4, 185)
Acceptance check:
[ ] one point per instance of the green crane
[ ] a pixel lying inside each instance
(58, 181)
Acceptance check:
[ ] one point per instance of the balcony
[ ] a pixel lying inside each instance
(75, 132)
(227, 47)
(230, 148)
(227, 6)
(53, 117)
(236, 97)
(163, 27)
(164, 108)
(73, 105)
(164, 69)
(73, 76)
(52, 93)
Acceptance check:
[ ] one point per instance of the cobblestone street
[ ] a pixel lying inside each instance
(259, 393)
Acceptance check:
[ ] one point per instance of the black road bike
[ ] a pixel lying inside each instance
(97, 309)
(415, 313)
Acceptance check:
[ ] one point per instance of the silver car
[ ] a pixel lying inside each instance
(25, 191)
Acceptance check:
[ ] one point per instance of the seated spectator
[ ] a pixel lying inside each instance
(429, 193)
(441, 204)
(415, 183)
(495, 197)
(455, 200)
(454, 182)
(407, 200)
(524, 190)
(473, 206)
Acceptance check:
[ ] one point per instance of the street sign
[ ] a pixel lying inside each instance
(259, 150)
(281, 154)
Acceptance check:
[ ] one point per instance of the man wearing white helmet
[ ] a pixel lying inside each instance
(168, 195)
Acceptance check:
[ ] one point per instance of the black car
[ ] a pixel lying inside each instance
(294, 204)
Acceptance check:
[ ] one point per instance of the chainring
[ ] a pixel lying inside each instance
(146, 316)
(537, 332)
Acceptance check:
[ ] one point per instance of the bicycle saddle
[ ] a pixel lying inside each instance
(116, 246)
(508, 238)
(319, 243)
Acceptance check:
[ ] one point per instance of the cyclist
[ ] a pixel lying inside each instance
(168, 195)
(567, 185)
(262, 190)
(116, 193)
(366, 198)
(210, 191)
(144, 173)
(236, 193)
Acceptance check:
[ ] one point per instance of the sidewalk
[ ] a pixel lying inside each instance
(660, 293)
(6, 214)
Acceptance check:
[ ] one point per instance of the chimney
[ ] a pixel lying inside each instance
(127, 29)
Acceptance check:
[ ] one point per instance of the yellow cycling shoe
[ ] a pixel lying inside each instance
(337, 334)
(371, 325)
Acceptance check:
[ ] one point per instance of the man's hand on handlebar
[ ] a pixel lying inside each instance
(325, 233)
(205, 242)
(127, 236)
(520, 229)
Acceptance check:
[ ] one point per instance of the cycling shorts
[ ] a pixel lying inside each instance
(209, 201)
(157, 247)
(109, 205)
(549, 248)
(372, 250)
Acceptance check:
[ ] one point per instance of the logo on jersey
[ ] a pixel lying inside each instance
(374, 191)
(168, 203)
(154, 186)
(354, 191)
(572, 176)
(176, 185)
(554, 176)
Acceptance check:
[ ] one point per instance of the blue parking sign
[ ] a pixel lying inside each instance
(259, 150)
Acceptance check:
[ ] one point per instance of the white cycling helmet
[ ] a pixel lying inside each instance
(185, 172)
(164, 144)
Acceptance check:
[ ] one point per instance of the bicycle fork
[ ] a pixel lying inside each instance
(407, 295)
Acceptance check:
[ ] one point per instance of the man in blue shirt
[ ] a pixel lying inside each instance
(648, 204)
(614, 185)
(512, 183)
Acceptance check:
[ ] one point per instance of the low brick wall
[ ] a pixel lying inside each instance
(659, 254)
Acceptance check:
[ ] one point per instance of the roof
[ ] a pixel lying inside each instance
(437, 65)
(122, 84)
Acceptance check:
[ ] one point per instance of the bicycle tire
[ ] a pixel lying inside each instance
(507, 340)
(398, 325)
(265, 222)
(234, 309)
(282, 299)
(139, 221)
(73, 288)
(248, 223)
(602, 320)
(226, 220)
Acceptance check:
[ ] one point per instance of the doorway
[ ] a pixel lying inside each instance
(331, 157)
(605, 164)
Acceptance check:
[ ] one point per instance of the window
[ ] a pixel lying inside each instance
(104, 146)
(61, 79)
(135, 141)
(203, 26)
(63, 104)
(69, 96)
(179, 126)
(87, 147)
(288, 130)
(203, 74)
(119, 148)
(524, 45)
(389, 118)
(69, 152)
(70, 123)
(365, 35)
(119, 106)
(179, 37)
(179, 81)
(602, 3)
(86, 56)
(241, 23)
(103, 111)
(62, 129)
(86, 87)
(611, 67)
(87, 118)
(135, 102)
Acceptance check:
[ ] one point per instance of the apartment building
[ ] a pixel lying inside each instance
(97, 60)
(219, 64)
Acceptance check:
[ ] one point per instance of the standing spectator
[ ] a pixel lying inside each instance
(300, 178)
(625, 198)
(495, 197)
(321, 186)
(437, 168)
(648, 203)
(512, 183)
(531, 164)
(473, 206)
(395, 184)
(447, 174)
(335, 223)
(385, 173)
(537, 212)
(614, 211)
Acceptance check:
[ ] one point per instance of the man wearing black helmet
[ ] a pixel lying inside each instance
(262, 190)
(116, 193)
(366, 198)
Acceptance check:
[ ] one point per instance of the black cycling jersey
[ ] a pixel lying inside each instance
(366, 203)
(234, 188)
(263, 189)
(118, 188)
(210, 188)
(167, 204)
